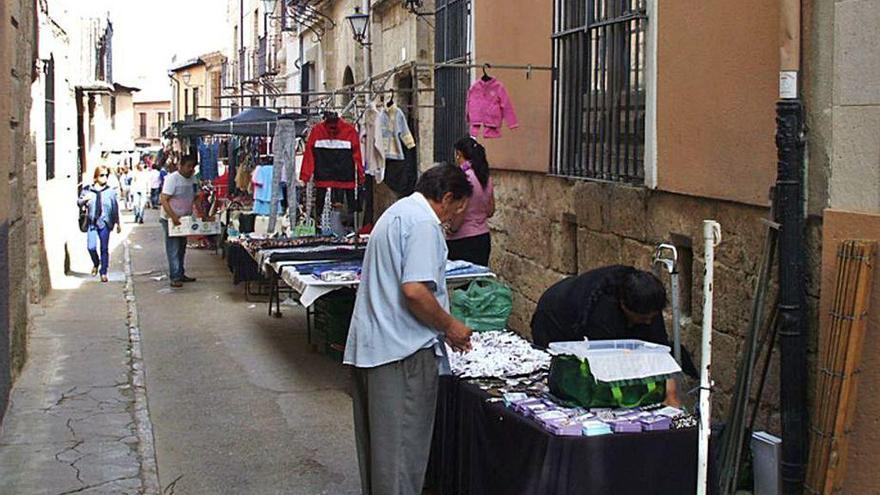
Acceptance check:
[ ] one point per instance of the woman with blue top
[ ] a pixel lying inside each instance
(103, 217)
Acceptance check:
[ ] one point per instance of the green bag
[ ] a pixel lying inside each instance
(484, 306)
(571, 380)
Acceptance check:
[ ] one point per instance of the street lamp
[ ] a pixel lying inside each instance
(269, 6)
(359, 23)
(414, 5)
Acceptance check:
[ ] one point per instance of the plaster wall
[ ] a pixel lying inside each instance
(717, 69)
(507, 37)
(153, 109)
(54, 199)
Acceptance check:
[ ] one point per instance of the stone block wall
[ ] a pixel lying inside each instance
(17, 159)
(547, 228)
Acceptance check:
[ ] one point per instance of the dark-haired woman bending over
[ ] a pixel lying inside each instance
(468, 237)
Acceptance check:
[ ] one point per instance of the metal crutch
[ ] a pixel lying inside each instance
(670, 264)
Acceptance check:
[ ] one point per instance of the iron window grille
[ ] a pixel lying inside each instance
(49, 69)
(451, 45)
(599, 90)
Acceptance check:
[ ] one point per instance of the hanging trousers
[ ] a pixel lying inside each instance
(284, 149)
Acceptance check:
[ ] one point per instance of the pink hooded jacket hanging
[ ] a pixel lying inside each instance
(488, 105)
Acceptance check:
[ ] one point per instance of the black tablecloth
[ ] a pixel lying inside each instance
(485, 448)
(241, 264)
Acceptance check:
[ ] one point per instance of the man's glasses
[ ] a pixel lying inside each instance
(102, 175)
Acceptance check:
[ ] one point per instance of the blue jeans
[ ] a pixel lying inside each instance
(103, 233)
(175, 250)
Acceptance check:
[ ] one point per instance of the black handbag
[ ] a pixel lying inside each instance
(84, 218)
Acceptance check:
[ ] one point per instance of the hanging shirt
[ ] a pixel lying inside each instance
(476, 217)
(373, 144)
(488, 105)
(262, 181)
(333, 154)
(208, 155)
(391, 125)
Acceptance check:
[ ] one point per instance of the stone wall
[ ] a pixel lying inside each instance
(16, 166)
(547, 228)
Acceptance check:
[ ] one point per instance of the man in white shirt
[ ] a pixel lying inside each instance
(400, 322)
(178, 195)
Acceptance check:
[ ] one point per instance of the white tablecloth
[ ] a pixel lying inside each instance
(310, 289)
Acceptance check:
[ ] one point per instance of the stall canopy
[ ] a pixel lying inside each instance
(255, 121)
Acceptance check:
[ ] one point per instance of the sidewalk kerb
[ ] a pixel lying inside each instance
(143, 425)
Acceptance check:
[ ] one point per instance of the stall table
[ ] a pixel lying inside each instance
(482, 447)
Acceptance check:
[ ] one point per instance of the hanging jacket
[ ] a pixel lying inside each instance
(394, 131)
(373, 144)
(488, 105)
(333, 152)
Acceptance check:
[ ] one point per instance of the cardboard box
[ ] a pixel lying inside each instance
(192, 226)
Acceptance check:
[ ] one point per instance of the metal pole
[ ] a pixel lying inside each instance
(671, 266)
(711, 238)
(790, 214)
(241, 52)
(792, 298)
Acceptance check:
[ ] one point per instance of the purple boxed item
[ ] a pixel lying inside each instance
(656, 423)
(550, 415)
(564, 427)
(625, 426)
(521, 406)
(532, 410)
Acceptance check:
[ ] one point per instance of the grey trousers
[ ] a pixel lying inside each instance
(394, 408)
(284, 150)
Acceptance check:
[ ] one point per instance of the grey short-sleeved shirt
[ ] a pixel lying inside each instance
(407, 245)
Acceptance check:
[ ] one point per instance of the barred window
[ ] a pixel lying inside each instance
(599, 89)
(49, 69)
(451, 45)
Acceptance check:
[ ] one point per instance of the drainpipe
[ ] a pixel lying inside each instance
(368, 48)
(790, 214)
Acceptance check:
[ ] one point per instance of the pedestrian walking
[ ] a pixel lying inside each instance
(468, 236)
(155, 179)
(125, 186)
(396, 339)
(177, 198)
(103, 217)
(140, 192)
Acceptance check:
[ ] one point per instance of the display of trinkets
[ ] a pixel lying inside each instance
(498, 354)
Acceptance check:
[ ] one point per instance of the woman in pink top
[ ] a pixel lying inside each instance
(468, 236)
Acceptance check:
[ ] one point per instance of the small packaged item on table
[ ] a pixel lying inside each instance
(656, 423)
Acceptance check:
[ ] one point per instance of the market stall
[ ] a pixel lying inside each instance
(498, 429)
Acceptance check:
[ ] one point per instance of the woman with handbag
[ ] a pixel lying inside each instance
(103, 216)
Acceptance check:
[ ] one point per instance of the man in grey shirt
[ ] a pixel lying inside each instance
(400, 321)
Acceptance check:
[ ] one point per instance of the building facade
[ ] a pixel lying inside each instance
(196, 85)
(150, 119)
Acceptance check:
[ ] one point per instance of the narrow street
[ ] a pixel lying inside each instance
(238, 402)
(237, 398)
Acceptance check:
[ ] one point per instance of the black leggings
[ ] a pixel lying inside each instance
(475, 249)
